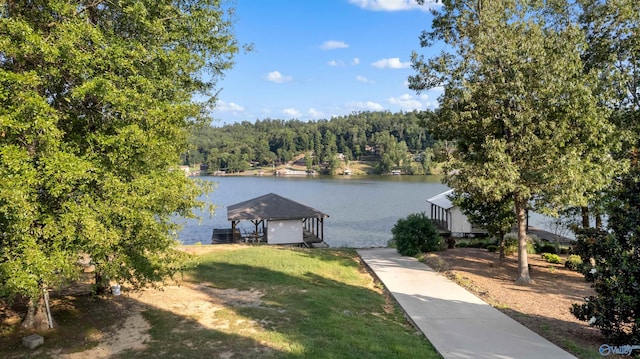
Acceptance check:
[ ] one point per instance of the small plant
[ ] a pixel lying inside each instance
(574, 262)
(451, 243)
(510, 244)
(492, 248)
(415, 234)
(436, 263)
(552, 269)
(551, 258)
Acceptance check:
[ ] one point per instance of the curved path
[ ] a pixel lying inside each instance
(456, 322)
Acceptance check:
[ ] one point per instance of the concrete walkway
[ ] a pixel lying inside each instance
(456, 322)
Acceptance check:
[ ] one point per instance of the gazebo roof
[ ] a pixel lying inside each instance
(442, 200)
(271, 207)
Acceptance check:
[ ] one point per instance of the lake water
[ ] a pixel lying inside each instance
(362, 210)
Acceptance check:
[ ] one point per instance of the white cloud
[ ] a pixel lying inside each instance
(355, 61)
(368, 105)
(391, 63)
(395, 5)
(291, 112)
(223, 106)
(315, 114)
(336, 63)
(332, 44)
(277, 77)
(363, 79)
(406, 102)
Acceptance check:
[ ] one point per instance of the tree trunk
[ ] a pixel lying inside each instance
(502, 255)
(598, 220)
(523, 263)
(585, 217)
(101, 285)
(36, 317)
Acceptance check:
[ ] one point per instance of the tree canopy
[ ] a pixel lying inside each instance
(95, 101)
(519, 105)
(387, 139)
(611, 254)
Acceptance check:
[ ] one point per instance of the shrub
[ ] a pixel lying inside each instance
(574, 262)
(551, 258)
(492, 248)
(531, 247)
(547, 248)
(510, 244)
(415, 234)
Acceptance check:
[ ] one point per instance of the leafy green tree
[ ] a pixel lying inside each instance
(95, 101)
(518, 105)
(611, 255)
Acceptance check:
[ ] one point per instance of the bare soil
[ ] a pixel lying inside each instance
(543, 306)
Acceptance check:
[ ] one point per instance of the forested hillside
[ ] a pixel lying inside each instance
(385, 140)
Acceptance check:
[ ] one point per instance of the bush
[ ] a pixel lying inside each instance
(547, 248)
(510, 244)
(492, 248)
(574, 262)
(551, 258)
(415, 234)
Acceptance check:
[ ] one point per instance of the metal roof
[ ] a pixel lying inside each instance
(442, 200)
(271, 206)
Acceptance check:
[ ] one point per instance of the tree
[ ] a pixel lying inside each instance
(518, 105)
(497, 217)
(96, 98)
(613, 254)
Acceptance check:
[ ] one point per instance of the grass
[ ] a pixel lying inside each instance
(315, 303)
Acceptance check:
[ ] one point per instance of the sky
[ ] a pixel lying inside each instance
(318, 59)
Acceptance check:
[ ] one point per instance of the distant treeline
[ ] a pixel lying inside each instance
(388, 140)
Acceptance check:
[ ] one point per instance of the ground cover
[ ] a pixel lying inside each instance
(236, 302)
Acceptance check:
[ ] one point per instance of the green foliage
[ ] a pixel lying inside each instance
(519, 105)
(510, 244)
(612, 263)
(389, 139)
(545, 247)
(551, 258)
(95, 102)
(492, 248)
(415, 234)
(573, 262)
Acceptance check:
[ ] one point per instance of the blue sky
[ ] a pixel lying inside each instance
(316, 59)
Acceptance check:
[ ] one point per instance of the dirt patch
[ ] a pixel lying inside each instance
(133, 335)
(543, 306)
(198, 302)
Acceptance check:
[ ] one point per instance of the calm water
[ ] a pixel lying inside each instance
(362, 210)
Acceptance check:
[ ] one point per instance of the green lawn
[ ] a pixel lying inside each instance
(285, 303)
(316, 303)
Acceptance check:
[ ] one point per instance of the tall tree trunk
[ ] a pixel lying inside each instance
(598, 220)
(523, 263)
(585, 217)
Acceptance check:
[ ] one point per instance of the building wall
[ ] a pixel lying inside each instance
(284, 231)
(459, 222)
